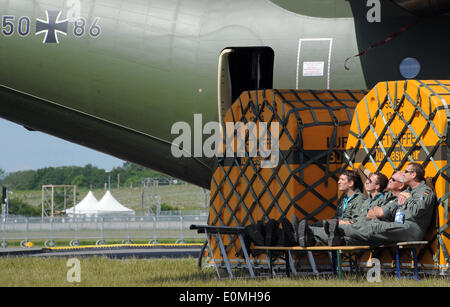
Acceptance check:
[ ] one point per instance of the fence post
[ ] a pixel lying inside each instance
(24, 242)
(102, 235)
(127, 229)
(51, 242)
(75, 241)
(155, 235)
(4, 243)
(181, 240)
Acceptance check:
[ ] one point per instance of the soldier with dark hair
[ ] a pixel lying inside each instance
(351, 185)
(418, 169)
(375, 186)
(269, 233)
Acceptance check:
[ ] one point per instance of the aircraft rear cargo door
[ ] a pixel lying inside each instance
(313, 63)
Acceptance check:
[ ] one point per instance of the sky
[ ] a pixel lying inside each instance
(21, 149)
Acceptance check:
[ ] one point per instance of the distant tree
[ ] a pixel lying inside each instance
(86, 176)
(131, 173)
(134, 180)
(22, 180)
(19, 207)
(81, 181)
(95, 176)
(165, 207)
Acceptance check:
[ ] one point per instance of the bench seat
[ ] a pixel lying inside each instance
(343, 249)
(217, 231)
(314, 248)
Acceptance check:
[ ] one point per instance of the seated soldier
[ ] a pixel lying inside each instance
(375, 185)
(394, 188)
(405, 220)
(350, 184)
(269, 233)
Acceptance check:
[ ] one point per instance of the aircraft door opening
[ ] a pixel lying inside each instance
(243, 69)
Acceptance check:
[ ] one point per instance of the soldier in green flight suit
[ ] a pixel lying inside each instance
(394, 188)
(350, 184)
(375, 185)
(405, 220)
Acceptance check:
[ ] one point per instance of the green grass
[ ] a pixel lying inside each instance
(183, 196)
(65, 243)
(105, 272)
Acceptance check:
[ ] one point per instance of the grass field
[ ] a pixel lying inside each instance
(65, 243)
(183, 196)
(105, 272)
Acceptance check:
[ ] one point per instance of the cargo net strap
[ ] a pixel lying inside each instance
(239, 176)
(401, 140)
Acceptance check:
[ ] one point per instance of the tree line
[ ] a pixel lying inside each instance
(89, 176)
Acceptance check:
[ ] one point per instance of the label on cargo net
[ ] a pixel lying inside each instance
(398, 154)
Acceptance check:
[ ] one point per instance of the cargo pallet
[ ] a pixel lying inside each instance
(321, 133)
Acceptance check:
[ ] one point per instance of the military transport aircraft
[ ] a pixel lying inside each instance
(115, 75)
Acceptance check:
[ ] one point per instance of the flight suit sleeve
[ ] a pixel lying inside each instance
(421, 202)
(354, 209)
(362, 212)
(389, 210)
(338, 212)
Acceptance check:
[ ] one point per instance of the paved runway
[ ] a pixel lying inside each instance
(111, 251)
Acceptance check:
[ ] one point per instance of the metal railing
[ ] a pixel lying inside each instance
(102, 229)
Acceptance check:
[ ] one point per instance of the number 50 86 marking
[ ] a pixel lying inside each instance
(9, 26)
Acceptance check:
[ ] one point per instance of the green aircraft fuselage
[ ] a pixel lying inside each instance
(116, 75)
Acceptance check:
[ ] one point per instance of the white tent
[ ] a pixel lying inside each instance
(88, 206)
(109, 205)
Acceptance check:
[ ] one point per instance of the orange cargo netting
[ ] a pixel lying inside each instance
(313, 130)
(401, 122)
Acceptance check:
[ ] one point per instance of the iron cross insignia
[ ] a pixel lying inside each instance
(51, 27)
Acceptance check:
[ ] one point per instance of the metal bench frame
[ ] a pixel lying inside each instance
(351, 252)
(339, 251)
(216, 232)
